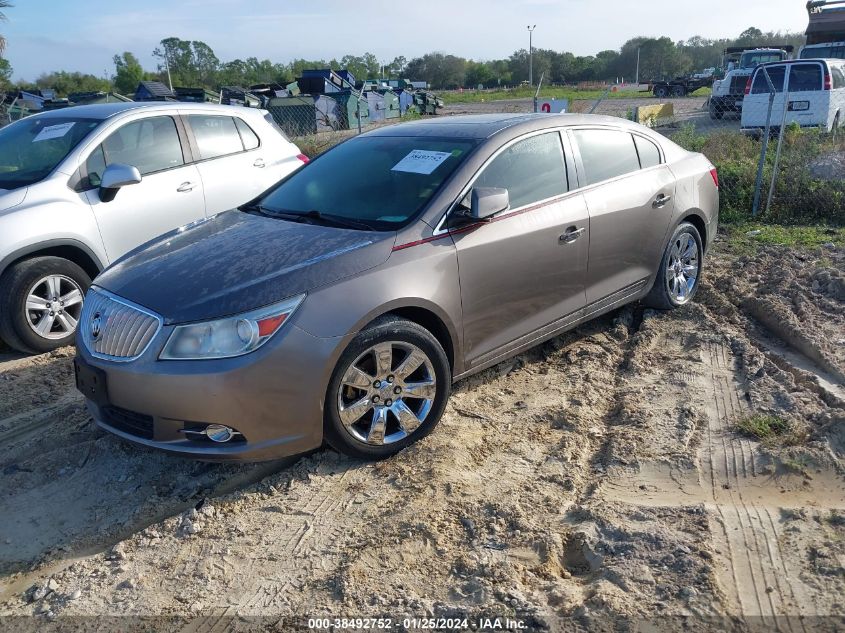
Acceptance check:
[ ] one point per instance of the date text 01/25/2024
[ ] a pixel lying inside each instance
(418, 624)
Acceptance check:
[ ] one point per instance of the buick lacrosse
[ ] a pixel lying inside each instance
(343, 303)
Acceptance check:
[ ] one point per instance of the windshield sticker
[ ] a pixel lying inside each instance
(421, 161)
(53, 131)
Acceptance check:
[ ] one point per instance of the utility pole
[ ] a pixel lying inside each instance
(531, 54)
(167, 66)
(637, 81)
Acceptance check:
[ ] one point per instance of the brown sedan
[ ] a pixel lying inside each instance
(343, 303)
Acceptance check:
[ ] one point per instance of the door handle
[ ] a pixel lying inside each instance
(572, 234)
(185, 187)
(259, 162)
(661, 201)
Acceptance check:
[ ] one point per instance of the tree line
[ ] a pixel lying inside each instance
(194, 64)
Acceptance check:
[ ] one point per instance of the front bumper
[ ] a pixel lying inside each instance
(273, 397)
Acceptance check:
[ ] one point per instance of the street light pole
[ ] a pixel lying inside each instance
(637, 81)
(531, 54)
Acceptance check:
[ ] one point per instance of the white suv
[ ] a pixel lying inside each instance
(67, 209)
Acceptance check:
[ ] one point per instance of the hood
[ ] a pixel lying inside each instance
(10, 198)
(236, 262)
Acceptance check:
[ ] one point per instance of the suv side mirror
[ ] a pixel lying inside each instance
(487, 202)
(116, 176)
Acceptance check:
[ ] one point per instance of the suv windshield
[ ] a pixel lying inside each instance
(381, 182)
(31, 148)
(831, 51)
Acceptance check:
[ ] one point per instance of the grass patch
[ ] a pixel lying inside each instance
(526, 92)
(803, 194)
(771, 429)
(764, 427)
(745, 237)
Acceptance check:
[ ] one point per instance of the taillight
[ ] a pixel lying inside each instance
(715, 175)
(748, 86)
(828, 82)
(303, 158)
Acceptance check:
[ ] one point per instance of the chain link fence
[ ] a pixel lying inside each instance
(779, 149)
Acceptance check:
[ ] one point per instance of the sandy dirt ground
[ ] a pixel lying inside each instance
(599, 476)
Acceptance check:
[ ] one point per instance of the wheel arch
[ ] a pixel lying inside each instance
(699, 223)
(430, 318)
(70, 249)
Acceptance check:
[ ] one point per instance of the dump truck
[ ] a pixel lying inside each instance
(740, 62)
(825, 31)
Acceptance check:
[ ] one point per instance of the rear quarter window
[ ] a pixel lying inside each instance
(648, 151)
(607, 154)
(838, 76)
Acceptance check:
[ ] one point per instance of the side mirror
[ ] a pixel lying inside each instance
(487, 202)
(116, 176)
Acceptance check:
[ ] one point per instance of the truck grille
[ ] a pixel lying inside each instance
(114, 329)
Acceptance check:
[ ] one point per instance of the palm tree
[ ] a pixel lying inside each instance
(4, 4)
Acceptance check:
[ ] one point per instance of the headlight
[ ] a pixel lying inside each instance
(232, 336)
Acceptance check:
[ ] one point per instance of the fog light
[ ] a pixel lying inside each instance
(219, 433)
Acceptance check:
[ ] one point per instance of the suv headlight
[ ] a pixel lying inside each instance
(229, 337)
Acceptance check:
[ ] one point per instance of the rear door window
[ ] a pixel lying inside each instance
(607, 154)
(805, 78)
(761, 86)
(531, 170)
(215, 135)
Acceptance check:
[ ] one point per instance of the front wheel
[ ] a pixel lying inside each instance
(388, 390)
(680, 270)
(41, 303)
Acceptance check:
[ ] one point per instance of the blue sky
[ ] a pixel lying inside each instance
(46, 35)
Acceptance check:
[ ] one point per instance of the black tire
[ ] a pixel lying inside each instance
(660, 296)
(395, 330)
(716, 111)
(661, 92)
(679, 91)
(14, 286)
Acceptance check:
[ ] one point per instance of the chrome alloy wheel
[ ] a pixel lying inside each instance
(386, 393)
(682, 269)
(53, 306)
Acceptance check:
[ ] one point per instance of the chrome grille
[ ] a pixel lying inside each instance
(115, 329)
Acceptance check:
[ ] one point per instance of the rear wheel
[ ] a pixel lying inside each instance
(41, 303)
(716, 110)
(388, 390)
(680, 270)
(678, 91)
(661, 92)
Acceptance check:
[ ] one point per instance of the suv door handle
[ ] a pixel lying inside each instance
(572, 234)
(259, 162)
(661, 201)
(185, 187)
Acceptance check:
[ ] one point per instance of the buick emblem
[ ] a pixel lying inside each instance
(96, 323)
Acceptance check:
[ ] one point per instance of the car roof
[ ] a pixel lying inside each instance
(483, 126)
(828, 60)
(107, 110)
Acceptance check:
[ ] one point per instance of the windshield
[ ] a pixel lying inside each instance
(31, 148)
(381, 182)
(834, 51)
(752, 60)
